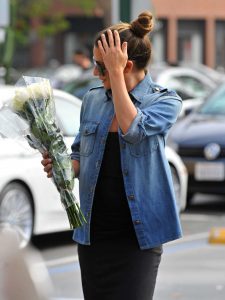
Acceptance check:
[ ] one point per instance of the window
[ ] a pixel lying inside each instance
(215, 104)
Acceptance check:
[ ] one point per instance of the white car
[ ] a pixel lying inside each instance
(29, 201)
(192, 85)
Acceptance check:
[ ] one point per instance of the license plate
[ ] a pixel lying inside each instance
(209, 171)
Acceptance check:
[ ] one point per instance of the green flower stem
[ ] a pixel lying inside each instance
(75, 216)
(74, 213)
(39, 113)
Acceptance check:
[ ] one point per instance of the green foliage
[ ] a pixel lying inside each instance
(48, 28)
(47, 23)
(24, 13)
(86, 5)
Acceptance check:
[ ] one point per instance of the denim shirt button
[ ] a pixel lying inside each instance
(137, 222)
(131, 197)
(98, 163)
(125, 172)
(123, 145)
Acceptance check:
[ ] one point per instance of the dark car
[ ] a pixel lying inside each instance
(200, 141)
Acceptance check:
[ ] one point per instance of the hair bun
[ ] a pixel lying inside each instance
(143, 24)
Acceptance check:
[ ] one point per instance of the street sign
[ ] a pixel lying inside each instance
(4, 13)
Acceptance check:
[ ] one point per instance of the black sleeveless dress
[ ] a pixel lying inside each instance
(113, 267)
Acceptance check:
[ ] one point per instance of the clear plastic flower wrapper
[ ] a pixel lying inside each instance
(31, 113)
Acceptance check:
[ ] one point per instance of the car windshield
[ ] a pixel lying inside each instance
(215, 105)
(191, 85)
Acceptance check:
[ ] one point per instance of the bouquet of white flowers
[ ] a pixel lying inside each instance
(34, 104)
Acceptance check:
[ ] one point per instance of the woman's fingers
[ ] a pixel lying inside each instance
(49, 175)
(124, 48)
(117, 39)
(102, 51)
(45, 154)
(48, 170)
(46, 161)
(104, 42)
(110, 38)
(113, 40)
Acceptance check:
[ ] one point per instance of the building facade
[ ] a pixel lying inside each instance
(185, 31)
(82, 28)
(191, 31)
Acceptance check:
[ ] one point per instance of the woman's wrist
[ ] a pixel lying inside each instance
(116, 73)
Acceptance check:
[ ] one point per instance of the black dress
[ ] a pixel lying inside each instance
(113, 267)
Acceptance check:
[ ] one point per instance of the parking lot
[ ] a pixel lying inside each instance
(191, 267)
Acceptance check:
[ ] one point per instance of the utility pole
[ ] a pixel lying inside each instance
(8, 12)
(4, 22)
(4, 13)
(125, 10)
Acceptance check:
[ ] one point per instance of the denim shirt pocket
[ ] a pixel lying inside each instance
(88, 137)
(145, 146)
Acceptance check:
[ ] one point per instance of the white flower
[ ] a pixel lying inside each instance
(21, 96)
(40, 90)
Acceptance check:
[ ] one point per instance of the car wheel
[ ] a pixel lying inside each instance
(16, 212)
(176, 184)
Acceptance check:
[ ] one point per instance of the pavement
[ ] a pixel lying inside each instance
(191, 269)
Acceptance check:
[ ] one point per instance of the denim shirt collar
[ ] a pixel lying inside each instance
(139, 91)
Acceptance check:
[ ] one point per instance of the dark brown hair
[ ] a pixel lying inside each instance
(136, 35)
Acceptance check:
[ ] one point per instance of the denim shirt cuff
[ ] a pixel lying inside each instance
(132, 135)
(75, 156)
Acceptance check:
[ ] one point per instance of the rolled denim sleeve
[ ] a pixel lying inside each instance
(157, 118)
(75, 155)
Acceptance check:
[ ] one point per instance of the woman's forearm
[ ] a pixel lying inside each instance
(76, 167)
(124, 108)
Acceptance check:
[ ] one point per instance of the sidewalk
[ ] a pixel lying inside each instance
(191, 269)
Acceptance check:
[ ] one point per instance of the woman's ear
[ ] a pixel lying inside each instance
(129, 66)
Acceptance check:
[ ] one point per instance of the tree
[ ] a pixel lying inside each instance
(24, 13)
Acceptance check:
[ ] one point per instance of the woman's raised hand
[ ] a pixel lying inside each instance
(113, 53)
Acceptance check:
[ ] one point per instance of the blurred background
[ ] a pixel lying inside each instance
(54, 39)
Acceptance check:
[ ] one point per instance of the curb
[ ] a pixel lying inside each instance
(217, 235)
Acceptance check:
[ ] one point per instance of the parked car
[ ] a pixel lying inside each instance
(190, 84)
(59, 75)
(179, 176)
(199, 140)
(217, 76)
(82, 85)
(29, 201)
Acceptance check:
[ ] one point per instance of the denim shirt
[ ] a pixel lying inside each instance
(146, 172)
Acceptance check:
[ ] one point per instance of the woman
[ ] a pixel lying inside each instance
(126, 190)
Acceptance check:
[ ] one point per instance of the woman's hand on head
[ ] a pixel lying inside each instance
(47, 163)
(114, 54)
